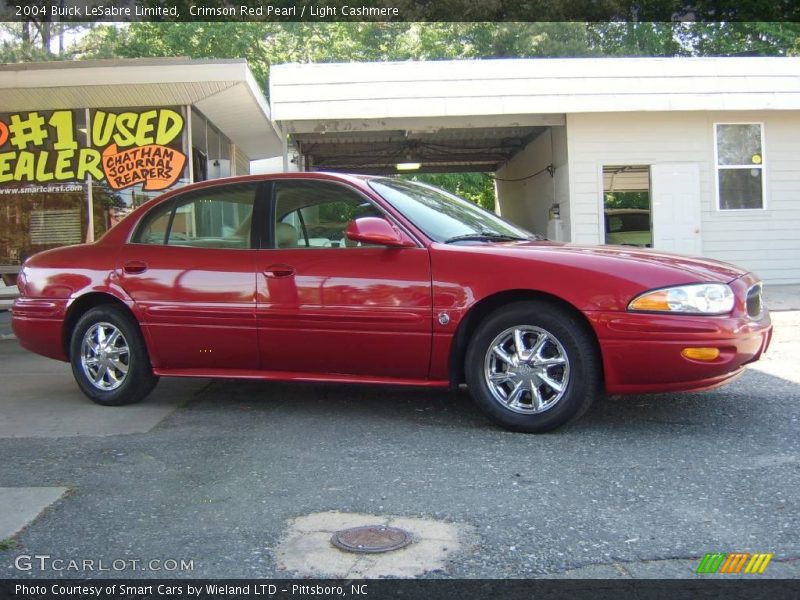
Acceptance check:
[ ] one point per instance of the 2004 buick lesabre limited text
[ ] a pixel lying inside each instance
(340, 278)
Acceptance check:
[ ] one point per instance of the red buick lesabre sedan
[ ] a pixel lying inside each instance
(328, 277)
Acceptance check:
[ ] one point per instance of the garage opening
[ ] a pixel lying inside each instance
(463, 160)
(627, 206)
(425, 149)
(513, 165)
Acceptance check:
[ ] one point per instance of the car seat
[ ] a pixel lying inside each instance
(285, 235)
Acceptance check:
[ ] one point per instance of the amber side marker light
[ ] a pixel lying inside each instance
(655, 301)
(700, 353)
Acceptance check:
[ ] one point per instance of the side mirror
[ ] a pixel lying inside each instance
(377, 231)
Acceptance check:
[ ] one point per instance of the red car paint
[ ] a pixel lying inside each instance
(374, 315)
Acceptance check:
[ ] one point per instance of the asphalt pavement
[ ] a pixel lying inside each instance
(642, 486)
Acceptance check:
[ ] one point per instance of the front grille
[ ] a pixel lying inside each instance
(754, 303)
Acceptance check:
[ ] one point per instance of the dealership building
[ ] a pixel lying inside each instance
(83, 143)
(692, 155)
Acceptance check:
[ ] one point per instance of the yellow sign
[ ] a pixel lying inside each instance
(126, 148)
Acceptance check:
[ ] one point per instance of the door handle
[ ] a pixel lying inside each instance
(134, 267)
(278, 271)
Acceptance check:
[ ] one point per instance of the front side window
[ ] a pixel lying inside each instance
(219, 217)
(313, 214)
(740, 165)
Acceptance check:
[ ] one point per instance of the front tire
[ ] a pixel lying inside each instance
(109, 358)
(533, 367)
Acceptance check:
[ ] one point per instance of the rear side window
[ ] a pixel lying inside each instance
(218, 217)
(153, 229)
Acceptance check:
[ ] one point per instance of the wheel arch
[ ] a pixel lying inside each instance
(488, 305)
(81, 305)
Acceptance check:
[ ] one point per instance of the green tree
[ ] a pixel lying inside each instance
(756, 39)
(37, 40)
(638, 39)
(475, 187)
(263, 44)
(195, 40)
(627, 200)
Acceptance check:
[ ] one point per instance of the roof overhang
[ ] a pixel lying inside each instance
(473, 114)
(299, 92)
(225, 91)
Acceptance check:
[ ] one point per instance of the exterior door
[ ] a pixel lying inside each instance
(191, 272)
(328, 305)
(676, 208)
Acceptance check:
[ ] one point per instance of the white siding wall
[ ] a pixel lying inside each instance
(765, 241)
(528, 202)
(561, 163)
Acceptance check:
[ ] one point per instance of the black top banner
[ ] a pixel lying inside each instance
(401, 10)
(390, 589)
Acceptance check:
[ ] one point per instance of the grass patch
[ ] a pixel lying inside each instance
(8, 544)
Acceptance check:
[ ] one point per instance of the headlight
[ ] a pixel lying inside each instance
(699, 298)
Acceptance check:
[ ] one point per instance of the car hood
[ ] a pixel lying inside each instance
(624, 259)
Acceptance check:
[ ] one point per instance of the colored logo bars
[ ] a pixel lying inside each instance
(734, 562)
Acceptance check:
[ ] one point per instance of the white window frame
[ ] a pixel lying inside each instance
(761, 166)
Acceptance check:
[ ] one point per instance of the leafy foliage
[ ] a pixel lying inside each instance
(627, 200)
(267, 43)
(475, 187)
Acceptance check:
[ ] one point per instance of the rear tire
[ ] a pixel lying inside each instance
(533, 367)
(109, 357)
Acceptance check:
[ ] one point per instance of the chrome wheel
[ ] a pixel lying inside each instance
(105, 356)
(526, 369)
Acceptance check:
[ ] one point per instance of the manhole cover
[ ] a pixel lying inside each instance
(370, 539)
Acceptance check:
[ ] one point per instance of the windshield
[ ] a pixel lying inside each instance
(442, 216)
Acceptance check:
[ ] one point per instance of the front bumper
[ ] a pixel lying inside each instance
(642, 352)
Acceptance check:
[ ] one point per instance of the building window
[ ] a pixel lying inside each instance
(740, 165)
(211, 149)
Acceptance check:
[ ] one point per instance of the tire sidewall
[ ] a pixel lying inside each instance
(584, 378)
(139, 380)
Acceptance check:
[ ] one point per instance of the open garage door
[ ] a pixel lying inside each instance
(440, 150)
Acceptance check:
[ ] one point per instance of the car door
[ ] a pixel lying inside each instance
(190, 269)
(328, 305)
